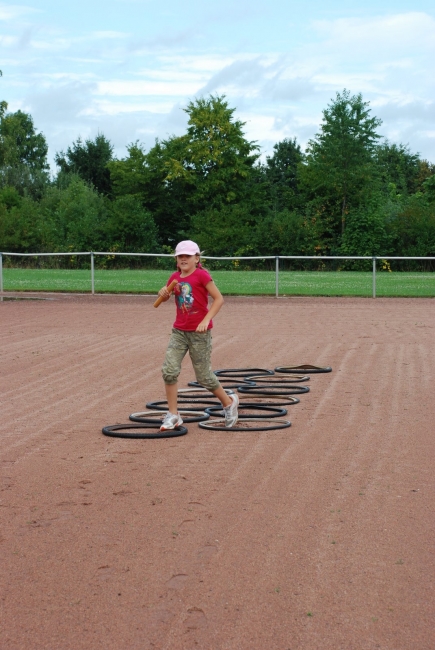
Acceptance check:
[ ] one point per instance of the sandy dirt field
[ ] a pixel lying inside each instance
(317, 537)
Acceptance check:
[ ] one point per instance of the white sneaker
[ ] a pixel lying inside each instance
(231, 412)
(171, 421)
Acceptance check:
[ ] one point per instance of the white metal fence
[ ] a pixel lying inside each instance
(277, 259)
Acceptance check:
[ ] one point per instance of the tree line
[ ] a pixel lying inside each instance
(350, 192)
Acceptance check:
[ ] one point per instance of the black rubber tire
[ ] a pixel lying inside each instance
(278, 424)
(162, 405)
(242, 372)
(287, 390)
(225, 383)
(198, 392)
(266, 381)
(116, 431)
(302, 369)
(278, 412)
(278, 400)
(143, 417)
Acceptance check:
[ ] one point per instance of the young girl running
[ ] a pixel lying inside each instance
(192, 333)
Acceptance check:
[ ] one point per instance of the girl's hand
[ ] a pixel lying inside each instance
(164, 293)
(203, 326)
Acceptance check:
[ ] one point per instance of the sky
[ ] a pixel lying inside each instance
(127, 68)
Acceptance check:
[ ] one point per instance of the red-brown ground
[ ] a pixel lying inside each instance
(317, 537)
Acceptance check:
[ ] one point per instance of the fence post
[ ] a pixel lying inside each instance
(92, 274)
(1, 273)
(276, 276)
(374, 277)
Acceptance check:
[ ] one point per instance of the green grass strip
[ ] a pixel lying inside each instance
(296, 283)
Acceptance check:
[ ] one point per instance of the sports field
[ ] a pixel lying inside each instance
(307, 283)
(315, 537)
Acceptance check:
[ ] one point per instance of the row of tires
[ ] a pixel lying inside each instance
(197, 406)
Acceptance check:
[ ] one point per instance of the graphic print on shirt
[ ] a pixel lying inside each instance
(184, 296)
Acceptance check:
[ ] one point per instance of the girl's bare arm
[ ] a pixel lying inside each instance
(217, 303)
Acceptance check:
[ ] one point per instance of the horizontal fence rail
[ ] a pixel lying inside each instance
(277, 259)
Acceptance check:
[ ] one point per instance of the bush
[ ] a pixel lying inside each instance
(366, 235)
(414, 231)
(131, 228)
(21, 226)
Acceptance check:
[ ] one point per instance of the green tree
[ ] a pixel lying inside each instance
(281, 175)
(286, 233)
(89, 160)
(76, 216)
(224, 230)
(23, 154)
(366, 232)
(129, 175)
(211, 167)
(144, 175)
(398, 166)
(27, 182)
(131, 228)
(414, 226)
(21, 223)
(429, 189)
(339, 173)
(20, 144)
(213, 159)
(3, 104)
(10, 197)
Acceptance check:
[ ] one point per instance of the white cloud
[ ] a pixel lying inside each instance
(12, 12)
(382, 33)
(262, 127)
(84, 60)
(173, 75)
(362, 80)
(117, 108)
(411, 111)
(109, 34)
(142, 88)
(164, 41)
(7, 41)
(239, 73)
(54, 44)
(203, 61)
(269, 78)
(64, 76)
(59, 103)
(129, 78)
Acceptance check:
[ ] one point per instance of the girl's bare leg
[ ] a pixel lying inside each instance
(172, 397)
(222, 396)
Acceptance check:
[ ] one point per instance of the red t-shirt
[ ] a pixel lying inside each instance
(191, 299)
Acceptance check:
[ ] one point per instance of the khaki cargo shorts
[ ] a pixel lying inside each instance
(199, 345)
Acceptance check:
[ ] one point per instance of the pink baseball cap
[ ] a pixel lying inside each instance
(187, 247)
